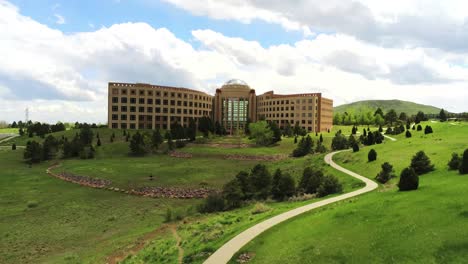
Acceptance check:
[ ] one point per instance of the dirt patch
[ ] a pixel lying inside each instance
(179, 242)
(255, 157)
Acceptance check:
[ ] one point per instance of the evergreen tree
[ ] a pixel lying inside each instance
(409, 180)
(276, 132)
(391, 117)
(464, 163)
(378, 112)
(33, 152)
(295, 140)
(49, 148)
(86, 134)
(232, 193)
(386, 173)
(364, 132)
(321, 138)
(99, 142)
(421, 163)
(339, 141)
(311, 180)
(329, 185)
(403, 116)
(304, 147)
(419, 128)
(442, 115)
(170, 142)
(156, 139)
(455, 162)
(246, 186)
(192, 129)
(286, 187)
(420, 116)
(408, 134)
(13, 147)
(261, 181)
(372, 155)
(297, 129)
(355, 147)
(21, 131)
(428, 130)
(138, 144)
(380, 129)
(288, 131)
(246, 128)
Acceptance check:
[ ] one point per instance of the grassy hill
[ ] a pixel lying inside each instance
(428, 225)
(399, 106)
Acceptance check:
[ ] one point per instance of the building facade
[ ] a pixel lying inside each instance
(144, 106)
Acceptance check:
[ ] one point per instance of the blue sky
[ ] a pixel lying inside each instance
(58, 56)
(89, 15)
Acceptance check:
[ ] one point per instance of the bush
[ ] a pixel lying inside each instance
(32, 204)
(283, 186)
(232, 193)
(386, 173)
(304, 147)
(339, 142)
(428, 130)
(455, 162)
(260, 208)
(213, 203)
(372, 155)
(13, 147)
(355, 147)
(409, 180)
(421, 163)
(464, 164)
(311, 180)
(408, 134)
(419, 128)
(329, 185)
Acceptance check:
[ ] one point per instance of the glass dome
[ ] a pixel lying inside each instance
(236, 82)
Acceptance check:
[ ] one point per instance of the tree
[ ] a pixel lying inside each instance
(156, 139)
(379, 120)
(321, 138)
(170, 142)
(14, 124)
(138, 144)
(288, 131)
(380, 129)
(339, 141)
(262, 133)
(403, 116)
(295, 140)
(13, 147)
(283, 186)
(442, 115)
(98, 142)
(355, 147)
(213, 203)
(311, 180)
(246, 186)
(391, 117)
(378, 112)
(421, 163)
(329, 185)
(260, 179)
(304, 147)
(455, 162)
(419, 128)
(372, 155)
(408, 134)
(232, 193)
(409, 180)
(276, 132)
(428, 130)
(192, 129)
(246, 127)
(21, 131)
(464, 164)
(386, 173)
(205, 125)
(419, 117)
(336, 119)
(49, 148)
(33, 152)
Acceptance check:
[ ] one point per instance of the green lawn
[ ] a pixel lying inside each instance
(9, 130)
(43, 219)
(429, 225)
(203, 234)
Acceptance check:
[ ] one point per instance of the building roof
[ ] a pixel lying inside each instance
(236, 82)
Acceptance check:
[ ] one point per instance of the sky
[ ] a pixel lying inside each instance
(56, 57)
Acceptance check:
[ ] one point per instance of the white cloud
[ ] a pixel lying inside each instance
(64, 76)
(59, 19)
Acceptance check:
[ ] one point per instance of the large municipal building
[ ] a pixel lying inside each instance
(145, 106)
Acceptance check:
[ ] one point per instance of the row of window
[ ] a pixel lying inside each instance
(149, 109)
(124, 100)
(282, 102)
(149, 118)
(304, 115)
(264, 109)
(159, 93)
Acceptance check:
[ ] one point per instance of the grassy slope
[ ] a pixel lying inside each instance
(409, 108)
(70, 223)
(424, 226)
(205, 233)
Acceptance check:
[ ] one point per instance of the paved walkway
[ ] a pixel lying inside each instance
(225, 253)
(10, 136)
(392, 139)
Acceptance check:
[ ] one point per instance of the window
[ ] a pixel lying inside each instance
(133, 100)
(115, 108)
(115, 117)
(124, 92)
(165, 102)
(142, 93)
(158, 101)
(115, 91)
(114, 125)
(141, 109)
(132, 109)
(123, 108)
(115, 100)
(132, 92)
(123, 117)
(149, 101)
(149, 109)
(132, 126)
(141, 100)
(132, 117)
(123, 125)
(123, 100)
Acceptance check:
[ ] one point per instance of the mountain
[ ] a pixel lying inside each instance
(399, 106)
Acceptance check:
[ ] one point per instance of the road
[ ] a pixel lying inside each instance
(225, 253)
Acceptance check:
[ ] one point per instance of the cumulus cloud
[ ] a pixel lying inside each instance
(64, 76)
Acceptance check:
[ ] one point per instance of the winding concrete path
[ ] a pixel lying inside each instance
(225, 253)
(392, 139)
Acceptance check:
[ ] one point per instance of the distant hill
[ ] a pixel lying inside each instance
(399, 106)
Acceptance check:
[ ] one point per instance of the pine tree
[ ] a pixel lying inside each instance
(409, 180)
(455, 162)
(13, 147)
(408, 134)
(311, 180)
(421, 163)
(156, 139)
(442, 115)
(321, 138)
(355, 147)
(33, 152)
(372, 155)
(386, 173)
(464, 163)
(99, 142)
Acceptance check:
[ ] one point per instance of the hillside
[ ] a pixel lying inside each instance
(399, 106)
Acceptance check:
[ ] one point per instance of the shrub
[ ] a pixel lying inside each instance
(99, 142)
(260, 208)
(311, 180)
(386, 173)
(455, 162)
(355, 147)
(329, 185)
(428, 130)
(283, 186)
(213, 203)
(304, 147)
(408, 134)
(339, 142)
(419, 128)
(13, 147)
(464, 164)
(409, 180)
(372, 155)
(32, 204)
(421, 163)
(232, 193)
